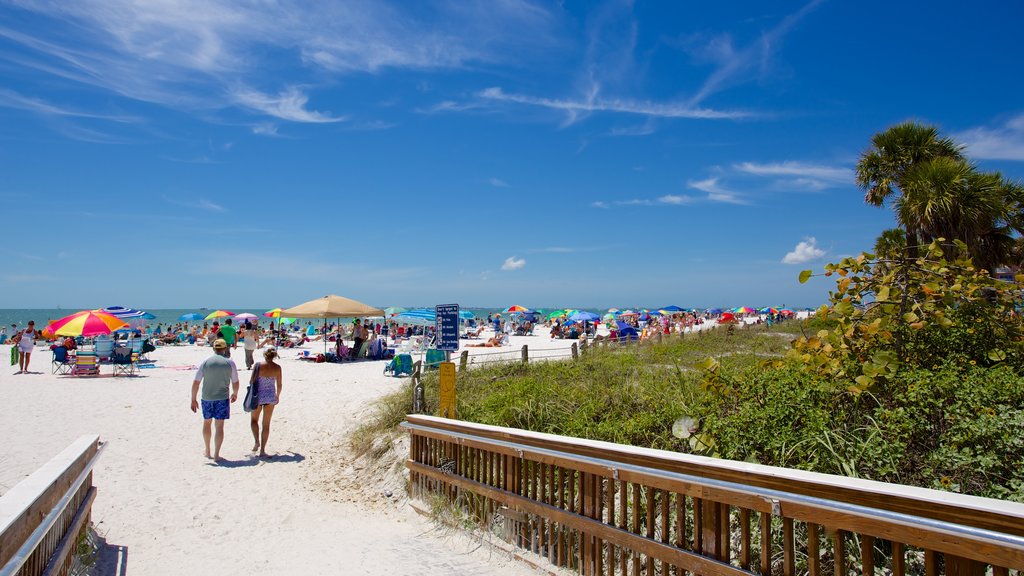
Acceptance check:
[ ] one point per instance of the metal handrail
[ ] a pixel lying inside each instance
(771, 495)
(19, 558)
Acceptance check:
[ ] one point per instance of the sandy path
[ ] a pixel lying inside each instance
(164, 509)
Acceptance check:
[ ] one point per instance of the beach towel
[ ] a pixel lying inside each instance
(14, 356)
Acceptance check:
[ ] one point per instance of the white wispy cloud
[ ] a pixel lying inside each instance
(735, 66)
(201, 203)
(799, 175)
(12, 99)
(669, 199)
(716, 192)
(1003, 142)
(265, 129)
(805, 251)
(613, 105)
(193, 54)
(513, 263)
(290, 105)
(498, 183)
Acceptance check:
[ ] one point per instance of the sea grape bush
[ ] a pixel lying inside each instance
(891, 314)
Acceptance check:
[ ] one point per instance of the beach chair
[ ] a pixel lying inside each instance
(400, 365)
(434, 358)
(62, 362)
(104, 348)
(123, 360)
(86, 364)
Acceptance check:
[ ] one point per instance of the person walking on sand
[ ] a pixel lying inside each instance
(266, 377)
(26, 342)
(252, 341)
(215, 374)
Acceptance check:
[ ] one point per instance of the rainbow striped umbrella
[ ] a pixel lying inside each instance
(219, 314)
(275, 313)
(86, 323)
(769, 310)
(517, 308)
(743, 310)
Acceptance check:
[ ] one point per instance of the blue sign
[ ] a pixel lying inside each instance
(447, 327)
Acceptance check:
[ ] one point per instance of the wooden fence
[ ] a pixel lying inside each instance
(42, 517)
(601, 508)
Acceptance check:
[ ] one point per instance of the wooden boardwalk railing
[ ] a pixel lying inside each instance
(42, 517)
(602, 508)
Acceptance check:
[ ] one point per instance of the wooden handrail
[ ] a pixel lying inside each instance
(42, 516)
(969, 531)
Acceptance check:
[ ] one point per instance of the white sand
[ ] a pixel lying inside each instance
(164, 509)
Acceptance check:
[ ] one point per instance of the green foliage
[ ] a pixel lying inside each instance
(958, 428)
(896, 314)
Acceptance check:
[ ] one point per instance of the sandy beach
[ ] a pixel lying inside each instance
(165, 509)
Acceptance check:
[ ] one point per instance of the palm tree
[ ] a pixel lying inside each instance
(891, 244)
(882, 169)
(939, 194)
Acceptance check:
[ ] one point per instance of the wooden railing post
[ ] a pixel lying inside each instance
(575, 351)
(583, 347)
(418, 398)
(463, 360)
(526, 354)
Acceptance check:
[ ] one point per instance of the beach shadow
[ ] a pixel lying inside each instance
(111, 559)
(290, 457)
(243, 463)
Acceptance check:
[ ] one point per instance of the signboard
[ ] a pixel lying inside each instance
(447, 327)
(447, 391)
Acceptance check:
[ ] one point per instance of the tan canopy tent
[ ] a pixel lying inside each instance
(331, 307)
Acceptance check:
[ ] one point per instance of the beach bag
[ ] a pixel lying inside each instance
(249, 404)
(14, 355)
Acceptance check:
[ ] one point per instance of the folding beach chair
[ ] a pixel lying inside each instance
(86, 364)
(123, 361)
(104, 347)
(62, 363)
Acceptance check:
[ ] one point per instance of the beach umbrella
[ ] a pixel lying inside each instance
(417, 317)
(768, 310)
(727, 317)
(608, 316)
(743, 310)
(190, 317)
(555, 314)
(246, 316)
(392, 310)
(86, 323)
(218, 314)
(584, 316)
(275, 313)
(466, 314)
(331, 306)
(517, 308)
(134, 318)
(629, 313)
(715, 311)
(613, 310)
(671, 309)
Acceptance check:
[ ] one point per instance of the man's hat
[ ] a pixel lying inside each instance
(220, 344)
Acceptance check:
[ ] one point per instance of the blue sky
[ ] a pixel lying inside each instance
(166, 153)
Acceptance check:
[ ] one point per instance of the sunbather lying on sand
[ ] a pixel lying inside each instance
(494, 342)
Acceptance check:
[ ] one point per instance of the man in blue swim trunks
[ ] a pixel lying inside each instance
(216, 374)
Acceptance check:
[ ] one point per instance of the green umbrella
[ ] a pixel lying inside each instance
(556, 314)
(392, 310)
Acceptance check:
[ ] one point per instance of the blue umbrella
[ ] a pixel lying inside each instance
(191, 317)
(417, 317)
(133, 317)
(672, 309)
(715, 311)
(466, 314)
(583, 316)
